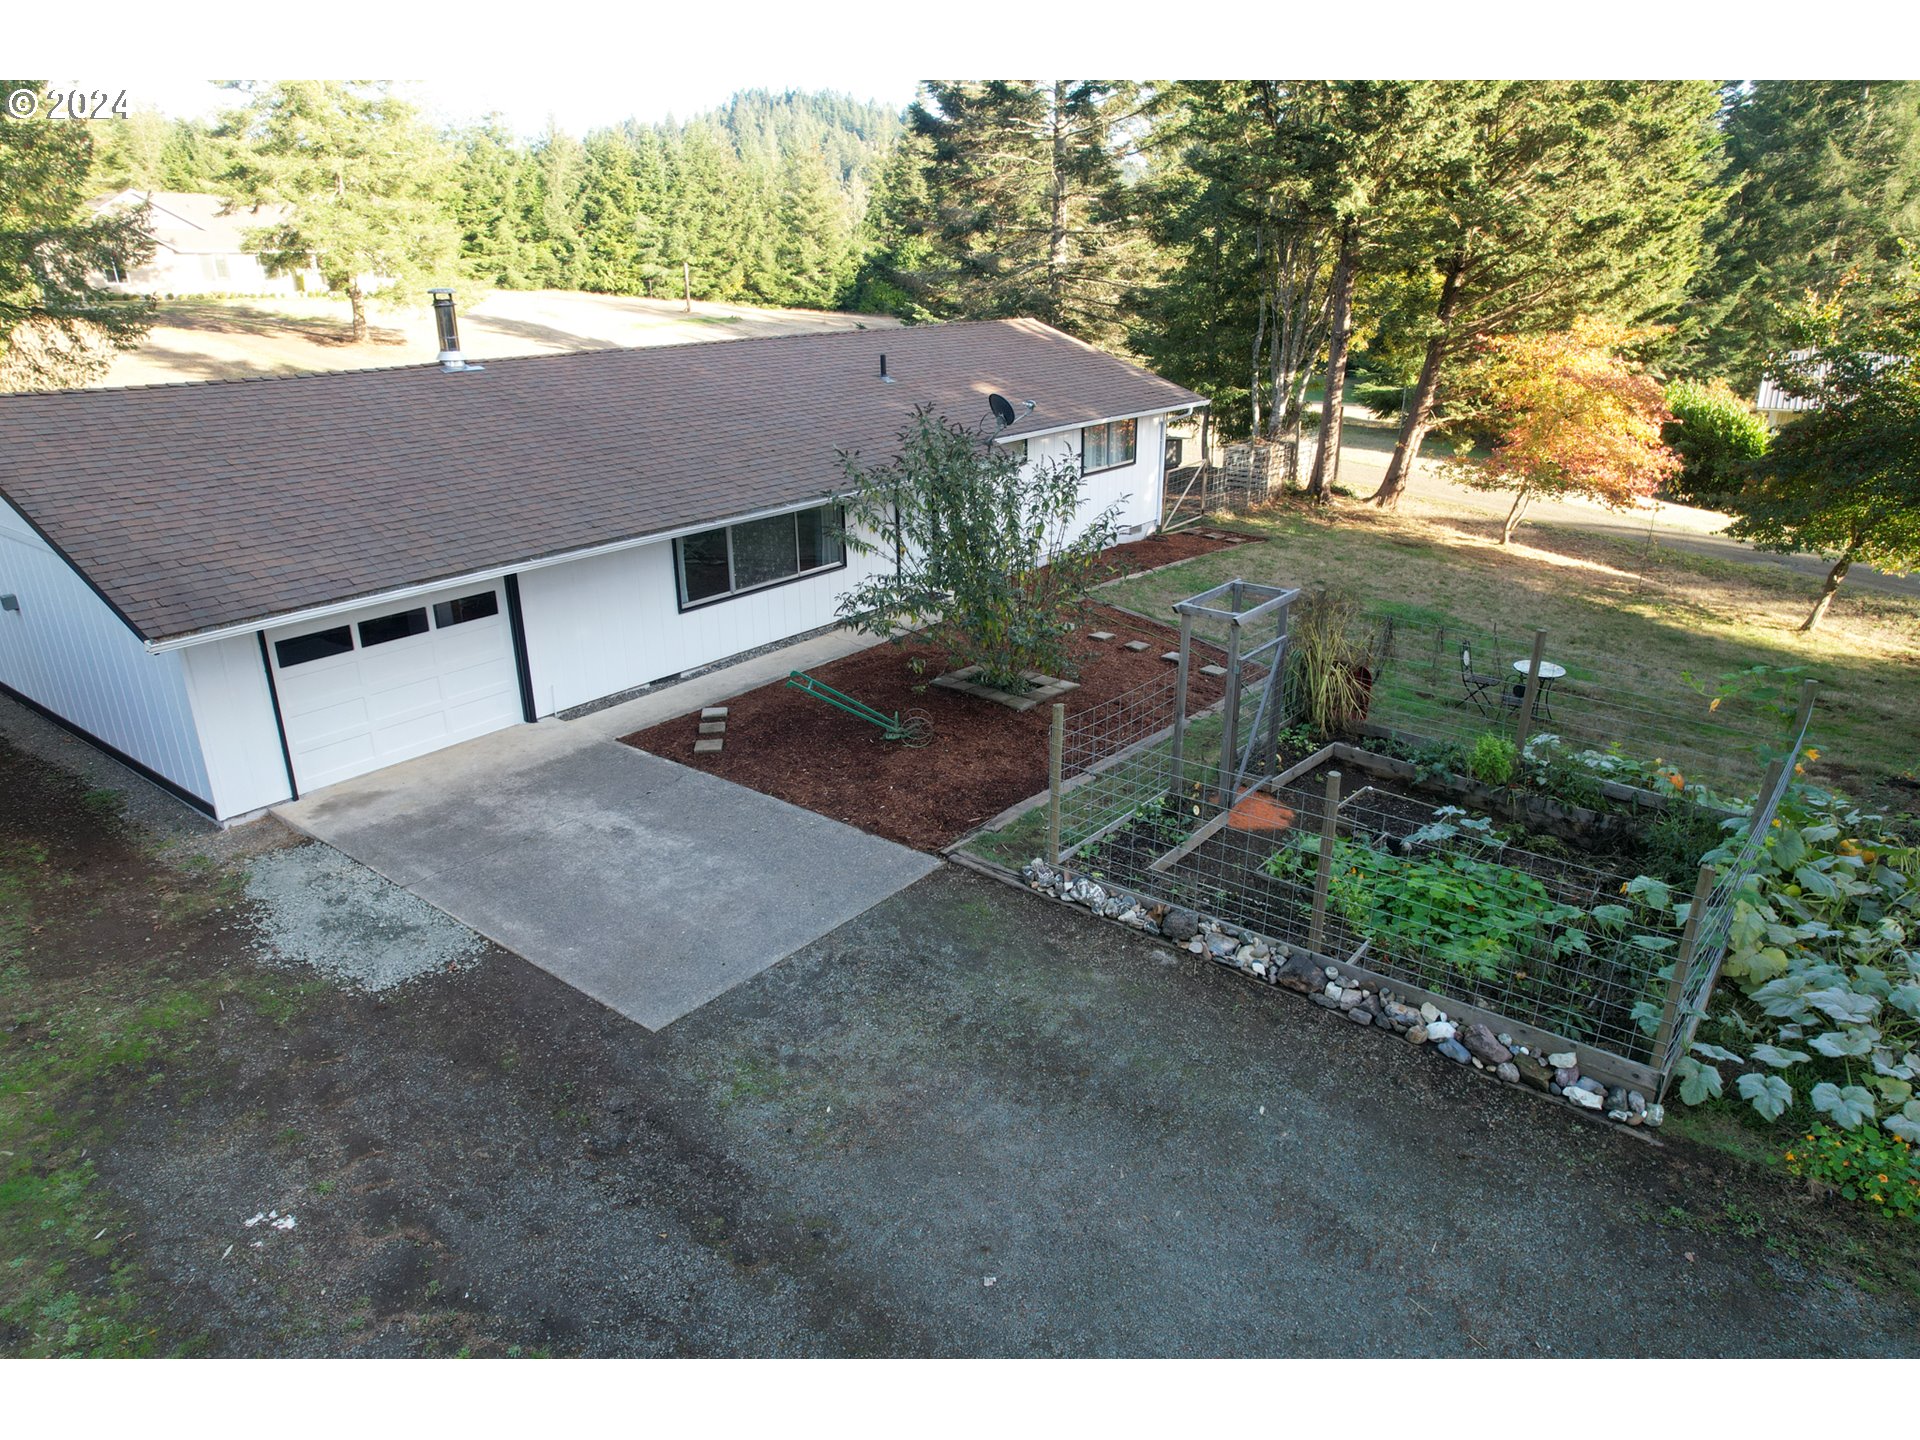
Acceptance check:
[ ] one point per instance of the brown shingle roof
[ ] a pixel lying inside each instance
(194, 507)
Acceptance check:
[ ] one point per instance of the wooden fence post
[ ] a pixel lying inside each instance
(1316, 931)
(1056, 746)
(1527, 696)
(1682, 972)
(686, 278)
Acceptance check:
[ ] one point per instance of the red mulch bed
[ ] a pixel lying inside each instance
(1158, 550)
(983, 757)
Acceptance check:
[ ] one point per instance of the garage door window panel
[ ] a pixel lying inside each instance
(318, 645)
(385, 629)
(466, 609)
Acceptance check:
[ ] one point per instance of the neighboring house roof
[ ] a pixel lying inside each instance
(1773, 396)
(188, 223)
(196, 507)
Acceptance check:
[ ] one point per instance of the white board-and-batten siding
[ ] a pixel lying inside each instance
(64, 649)
(608, 623)
(1134, 489)
(227, 684)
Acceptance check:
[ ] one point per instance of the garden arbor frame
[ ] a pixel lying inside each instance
(1240, 604)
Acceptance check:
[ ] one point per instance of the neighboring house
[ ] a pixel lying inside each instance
(251, 589)
(199, 247)
(1778, 405)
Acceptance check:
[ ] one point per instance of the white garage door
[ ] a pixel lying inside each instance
(376, 686)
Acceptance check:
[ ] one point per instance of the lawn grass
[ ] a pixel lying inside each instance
(75, 1057)
(1633, 620)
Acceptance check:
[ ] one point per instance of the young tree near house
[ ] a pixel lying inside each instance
(981, 548)
(1568, 414)
(1843, 480)
(1564, 198)
(366, 183)
(58, 325)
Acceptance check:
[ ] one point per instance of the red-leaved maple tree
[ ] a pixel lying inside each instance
(1568, 414)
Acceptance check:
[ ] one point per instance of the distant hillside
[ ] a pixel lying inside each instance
(853, 136)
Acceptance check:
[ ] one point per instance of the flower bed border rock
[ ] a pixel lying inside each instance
(1549, 1066)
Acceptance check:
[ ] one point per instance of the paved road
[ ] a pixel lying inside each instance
(1366, 448)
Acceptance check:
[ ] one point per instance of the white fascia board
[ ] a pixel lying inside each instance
(1175, 410)
(474, 577)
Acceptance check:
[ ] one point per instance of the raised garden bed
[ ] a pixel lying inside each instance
(982, 758)
(1138, 556)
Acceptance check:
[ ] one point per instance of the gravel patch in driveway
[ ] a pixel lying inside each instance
(319, 908)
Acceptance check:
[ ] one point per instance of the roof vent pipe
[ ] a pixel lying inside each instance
(885, 378)
(448, 331)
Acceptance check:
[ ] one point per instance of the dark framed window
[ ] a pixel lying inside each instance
(383, 629)
(1015, 448)
(319, 645)
(482, 606)
(735, 559)
(1109, 446)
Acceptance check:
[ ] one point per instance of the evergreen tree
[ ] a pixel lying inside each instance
(58, 327)
(559, 170)
(1027, 209)
(1556, 200)
(812, 246)
(1825, 182)
(890, 244)
(489, 204)
(366, 183)
(609, 217)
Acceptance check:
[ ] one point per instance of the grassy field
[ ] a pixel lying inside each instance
(235, 339)
(1627, 620)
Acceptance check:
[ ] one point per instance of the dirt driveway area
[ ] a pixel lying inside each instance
(966, 1122)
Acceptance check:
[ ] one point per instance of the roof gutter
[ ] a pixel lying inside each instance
(468, 577)
(1172, 412)
(564, 557)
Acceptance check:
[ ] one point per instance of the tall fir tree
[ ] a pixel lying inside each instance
(1824, 178)
(811, 240)
(609, 217)
(1552, 201)
(367, 183)
(1027, 212)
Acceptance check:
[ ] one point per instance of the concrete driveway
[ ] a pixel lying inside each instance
(649, 886)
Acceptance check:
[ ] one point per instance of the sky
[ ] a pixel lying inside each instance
(575, 105)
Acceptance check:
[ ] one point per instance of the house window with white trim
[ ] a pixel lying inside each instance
(1109, 446)
(755, 554)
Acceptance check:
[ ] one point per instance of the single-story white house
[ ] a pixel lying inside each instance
(248, 590)
(200, 247)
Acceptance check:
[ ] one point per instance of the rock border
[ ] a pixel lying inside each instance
(1361, 999)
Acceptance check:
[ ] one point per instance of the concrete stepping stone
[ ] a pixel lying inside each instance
(1100, 635)
(713, 727)
(708, 747)
(714, 712)
(1173, 655)
(1136, 644)
(1213, 669)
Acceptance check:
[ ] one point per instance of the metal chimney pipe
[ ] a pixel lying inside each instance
(448, 330)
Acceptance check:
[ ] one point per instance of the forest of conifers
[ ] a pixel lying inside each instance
(1238, 236)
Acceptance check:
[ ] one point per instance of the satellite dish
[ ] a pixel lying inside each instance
(1002, 409)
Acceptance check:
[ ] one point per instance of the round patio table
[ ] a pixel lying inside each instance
(1549, 672)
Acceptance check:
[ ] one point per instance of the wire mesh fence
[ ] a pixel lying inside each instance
(1381, 869)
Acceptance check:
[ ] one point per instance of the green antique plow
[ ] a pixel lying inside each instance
(913, 729)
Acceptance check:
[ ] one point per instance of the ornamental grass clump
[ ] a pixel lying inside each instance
(1333, 657)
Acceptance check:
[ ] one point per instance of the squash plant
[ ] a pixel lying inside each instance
(1821, 982)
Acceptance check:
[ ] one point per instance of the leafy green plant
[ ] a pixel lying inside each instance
(1333, 658)
(987, 564)
(1717, 436)
(1822, 977)
(1875, 1170)
(1477, 917)
(1493, 759)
